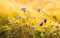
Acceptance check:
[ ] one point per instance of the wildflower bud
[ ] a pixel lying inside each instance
(45, 20)
(41, 24)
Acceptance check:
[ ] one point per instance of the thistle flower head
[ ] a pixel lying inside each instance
(41, 24)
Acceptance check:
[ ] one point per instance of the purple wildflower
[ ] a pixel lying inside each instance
(19, 17)
(23, 9)
(33, 27)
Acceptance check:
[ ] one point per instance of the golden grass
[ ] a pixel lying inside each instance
(49, 8)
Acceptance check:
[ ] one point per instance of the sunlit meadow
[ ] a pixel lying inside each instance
(29, 18)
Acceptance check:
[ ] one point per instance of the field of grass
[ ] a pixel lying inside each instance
(29, 18)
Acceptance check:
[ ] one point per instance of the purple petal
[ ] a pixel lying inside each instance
(19, 17)
(33, 27)
(23, 8)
